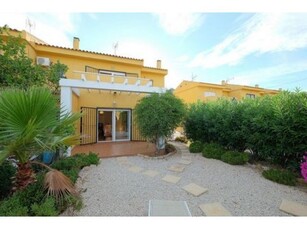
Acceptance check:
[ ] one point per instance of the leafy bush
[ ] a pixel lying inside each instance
(32, 201)
(66, 163)
(77, 161)
(72, 174)
(47, 208)
(13, 206)
(69, 201)
(235, 158)
(196, 147)
(34, 193)
(280, 176)
(274, 127)
(213, 150)
(7, 171)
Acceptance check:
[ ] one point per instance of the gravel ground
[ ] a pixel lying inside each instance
(110, 189)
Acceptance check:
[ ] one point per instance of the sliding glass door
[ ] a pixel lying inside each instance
(113, 125)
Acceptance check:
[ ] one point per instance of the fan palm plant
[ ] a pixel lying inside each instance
(31, 123)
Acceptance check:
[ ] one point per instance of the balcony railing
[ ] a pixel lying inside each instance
(112, 78)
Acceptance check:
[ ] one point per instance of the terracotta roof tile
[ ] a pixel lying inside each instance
(86, 51)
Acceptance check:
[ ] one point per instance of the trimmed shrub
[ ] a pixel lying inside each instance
(235, 158)
(77, 161)
(13, 206)
(47, 208)
(196, 147)
(69, 201)
(7, 171)
(72, 174)
(213, 150)
(280, 176)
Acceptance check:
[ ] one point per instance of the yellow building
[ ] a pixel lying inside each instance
(104, 87)
(190, 91)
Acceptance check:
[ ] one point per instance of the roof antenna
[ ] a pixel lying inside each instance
(30, 24)
(193, 76)
(115, 46)
(229, 79)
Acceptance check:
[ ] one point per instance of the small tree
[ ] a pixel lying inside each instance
(158, 115)
(18, 70)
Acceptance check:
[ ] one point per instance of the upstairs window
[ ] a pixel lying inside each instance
(249, 95)
(209, 94)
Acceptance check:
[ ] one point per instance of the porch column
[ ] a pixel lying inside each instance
(66, 107)
(66, 99)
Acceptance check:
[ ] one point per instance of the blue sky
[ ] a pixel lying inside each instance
(269, 49)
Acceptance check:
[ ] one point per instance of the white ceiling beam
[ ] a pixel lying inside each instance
(109, 86)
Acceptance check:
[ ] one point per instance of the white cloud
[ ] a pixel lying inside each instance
(270, 76)
(262, 33)
(53, 28)
(179, 23)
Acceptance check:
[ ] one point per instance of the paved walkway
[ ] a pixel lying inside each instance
(124, 190)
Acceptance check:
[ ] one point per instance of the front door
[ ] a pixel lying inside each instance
(113, 125)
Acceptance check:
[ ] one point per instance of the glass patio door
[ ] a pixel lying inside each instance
(113, 125)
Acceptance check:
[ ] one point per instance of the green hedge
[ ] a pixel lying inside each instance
(273, 127)
(280, 176)
(235, 158)
(213, 150)
(196, 147)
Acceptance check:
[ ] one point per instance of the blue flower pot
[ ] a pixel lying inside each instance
(48, 157)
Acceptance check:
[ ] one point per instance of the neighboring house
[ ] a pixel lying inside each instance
(190, 91)
(106, 88)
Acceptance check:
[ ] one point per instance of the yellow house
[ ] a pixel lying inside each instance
(104, 87)
(190, 91)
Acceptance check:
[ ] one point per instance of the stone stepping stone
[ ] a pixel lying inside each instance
(176, 168)
(195, 189)
(151, 173)
(171, 179)
(293, 208)
(168, 208)
(135, 169)
(185, 162)
(214, 209)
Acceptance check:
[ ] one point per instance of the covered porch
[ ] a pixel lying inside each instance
(106, 103)
(116, 149)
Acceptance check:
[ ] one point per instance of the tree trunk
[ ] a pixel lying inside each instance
(24, 176)
(160, 144)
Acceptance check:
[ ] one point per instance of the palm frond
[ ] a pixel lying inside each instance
(58, 185)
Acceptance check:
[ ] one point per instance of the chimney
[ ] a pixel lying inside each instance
(76, 43)
(158, 64)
